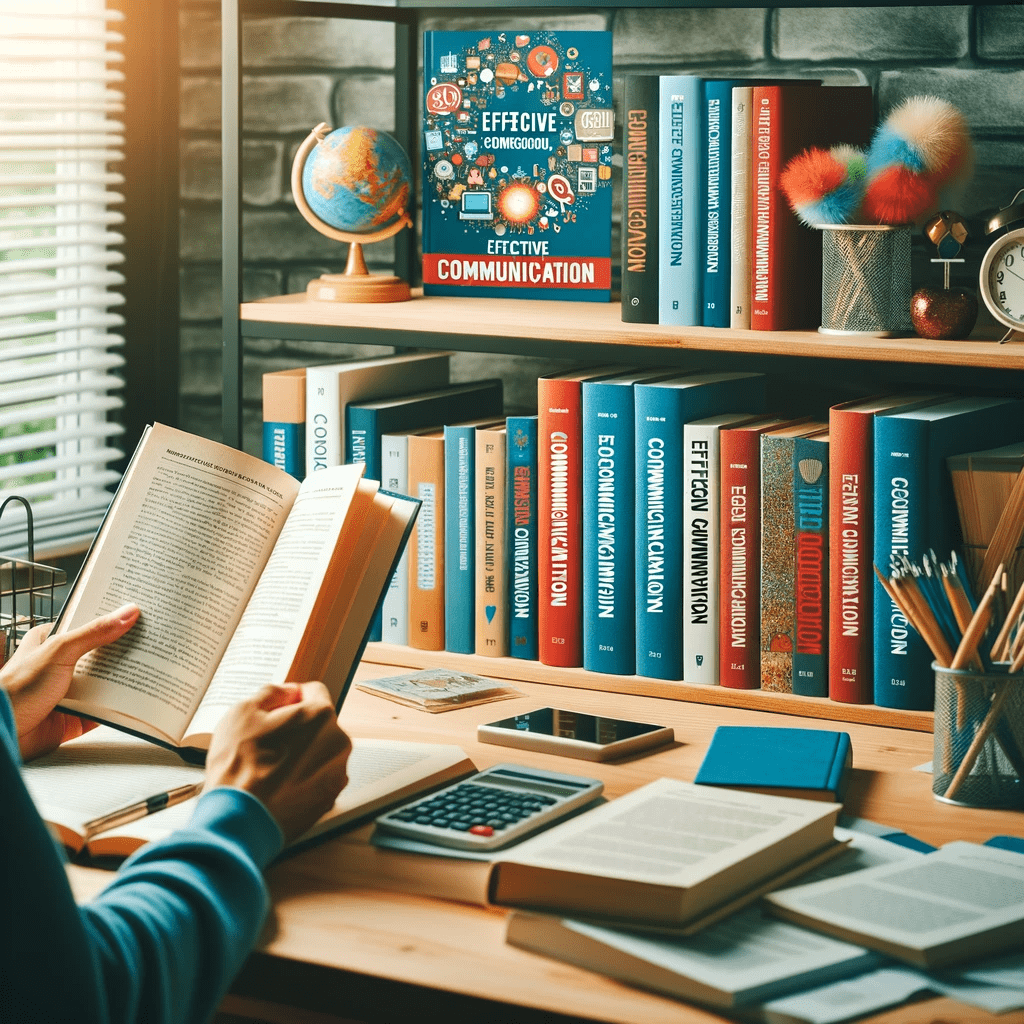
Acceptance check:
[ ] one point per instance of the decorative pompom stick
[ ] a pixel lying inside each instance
(825, 186)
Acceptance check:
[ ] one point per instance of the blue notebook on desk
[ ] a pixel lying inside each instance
(810, 763)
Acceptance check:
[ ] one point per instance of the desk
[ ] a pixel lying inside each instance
(336, 948)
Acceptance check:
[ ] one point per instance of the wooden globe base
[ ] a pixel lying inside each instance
(358, 288)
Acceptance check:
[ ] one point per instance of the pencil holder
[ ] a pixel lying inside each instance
(865, 280)
(979, 737)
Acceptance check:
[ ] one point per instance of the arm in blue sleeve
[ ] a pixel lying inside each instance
(160, 944)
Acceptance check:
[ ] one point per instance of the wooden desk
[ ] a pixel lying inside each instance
(336, 948)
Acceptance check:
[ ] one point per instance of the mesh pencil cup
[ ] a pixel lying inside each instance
(979, 737)
(865, 279)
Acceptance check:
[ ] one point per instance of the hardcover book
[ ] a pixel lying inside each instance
(284, 420)
(491, 566)
(517, 164)
(640, 199)
(740, 239)
(662, 410)
(717, 227)
(521, 535)
(915, 513)
(427, 545)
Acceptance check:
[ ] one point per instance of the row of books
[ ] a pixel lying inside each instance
(662, 524)
(708, 238)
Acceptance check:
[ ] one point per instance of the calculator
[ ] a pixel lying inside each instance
(493, 808)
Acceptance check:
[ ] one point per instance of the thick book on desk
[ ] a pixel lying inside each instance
(244, 576)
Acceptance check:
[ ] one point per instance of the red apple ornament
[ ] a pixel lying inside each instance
(946, 312)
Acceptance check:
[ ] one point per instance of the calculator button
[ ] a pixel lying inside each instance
(459, 826)
(423, 819)
(497, 824)
(482, 830)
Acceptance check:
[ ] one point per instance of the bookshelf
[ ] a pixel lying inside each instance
(583, 332)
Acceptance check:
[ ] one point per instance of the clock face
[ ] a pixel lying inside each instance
(1002, 279)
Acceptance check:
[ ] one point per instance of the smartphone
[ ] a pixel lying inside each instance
(573, 734)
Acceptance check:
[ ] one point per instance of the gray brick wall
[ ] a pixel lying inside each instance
(301, 70)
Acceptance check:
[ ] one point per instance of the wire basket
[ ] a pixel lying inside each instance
(865, 280)
(979, 738)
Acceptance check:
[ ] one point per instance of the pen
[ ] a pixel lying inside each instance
(140, 809)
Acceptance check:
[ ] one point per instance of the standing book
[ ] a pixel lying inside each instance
(491, 567)
(662, 408)
(914, 512)
(517, 164)
(778, 555)
(640, 200)
(717, 228)
(521, 535)
(329, 389)
(427, 546)
(284, 420)
(292, 574)
(740, 174)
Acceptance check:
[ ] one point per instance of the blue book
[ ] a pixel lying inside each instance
(914, 511)
(661, 410)
(810, 763)
(517, 164)
(284, 446)
(284, 420)
(609, 455)
(521, 535)
(810, 520)
(680, 200)
(717, 228)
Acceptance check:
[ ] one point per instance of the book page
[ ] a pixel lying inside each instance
(189, 531)
(669, 833)
(265, 641)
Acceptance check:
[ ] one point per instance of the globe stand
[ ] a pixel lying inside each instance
(357, 284)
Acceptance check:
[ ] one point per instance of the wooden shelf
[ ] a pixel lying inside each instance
(513, 669)
(598, 325)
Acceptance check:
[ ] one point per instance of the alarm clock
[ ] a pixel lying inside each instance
(1001, 280)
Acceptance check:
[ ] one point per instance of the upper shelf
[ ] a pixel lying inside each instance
(593, 326)
(487, 6)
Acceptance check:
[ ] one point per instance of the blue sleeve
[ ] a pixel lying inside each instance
(161, 943)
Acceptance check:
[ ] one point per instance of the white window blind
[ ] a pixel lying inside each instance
(59, 350)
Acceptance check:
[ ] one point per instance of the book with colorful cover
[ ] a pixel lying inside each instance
(717, 227)
(521, 535)
(914, 512)
(662, 408)
(680, 175)
(491, 567)
(778, 554)
(426, 547)
(517, 164)
(640, 199)
(284, 420)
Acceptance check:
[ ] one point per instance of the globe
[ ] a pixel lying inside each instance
(358, 180)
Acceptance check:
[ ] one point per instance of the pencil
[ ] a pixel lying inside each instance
(978, 624)
(932, 636)
(1003, 639)
(994, 711)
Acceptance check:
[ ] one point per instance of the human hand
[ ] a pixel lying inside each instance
(285, 747)
(39, 674)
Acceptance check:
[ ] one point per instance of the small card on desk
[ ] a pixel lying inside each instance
(810, 763)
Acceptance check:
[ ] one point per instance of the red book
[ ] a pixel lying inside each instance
(851, 541)
(560, 515)
(785, 254)
(740, 559)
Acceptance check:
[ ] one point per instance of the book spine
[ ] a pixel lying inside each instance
(740, 552)
(658, 533)
(560, 535)
(778, 564)
(426, 548)
(521, 535)
(851, 578)
(284, 446)
(284, 420)
(394, 471)
(766, 117)
(700, 553)
(324, 442)
(491, 567)
(810, 511)
(640, 245)
(608, 493)
(739, 228)
(460, 532)
(362, 442)
(901, 657)
(717, 188)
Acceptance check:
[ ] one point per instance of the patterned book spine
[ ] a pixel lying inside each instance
(394, 471)
(426, 548)
(810, 511)
(491, 569)
(739, 234)
(521, 535)
(460, 530)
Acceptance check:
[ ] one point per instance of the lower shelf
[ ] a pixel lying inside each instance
(758, 700)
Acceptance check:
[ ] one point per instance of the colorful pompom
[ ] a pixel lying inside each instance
(825, 187)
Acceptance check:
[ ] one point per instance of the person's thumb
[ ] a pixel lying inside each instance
(102, 630)
(274, 695)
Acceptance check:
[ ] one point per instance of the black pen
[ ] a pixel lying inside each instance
(142, 808)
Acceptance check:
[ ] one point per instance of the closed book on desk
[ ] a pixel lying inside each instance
(813, 764)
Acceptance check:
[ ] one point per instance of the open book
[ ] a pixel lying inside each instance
(105, 770)
(244, 577)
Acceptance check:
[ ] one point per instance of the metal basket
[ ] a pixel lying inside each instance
(865, 280)
(979, 738)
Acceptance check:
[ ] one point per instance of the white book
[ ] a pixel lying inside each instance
(394, 471)
(739, 287)
(700, 545)
(331, 387)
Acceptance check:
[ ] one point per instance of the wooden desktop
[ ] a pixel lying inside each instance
(337, 949)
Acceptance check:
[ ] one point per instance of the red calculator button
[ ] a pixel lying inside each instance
(482, 830)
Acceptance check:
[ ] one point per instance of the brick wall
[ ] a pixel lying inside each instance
(299, 71)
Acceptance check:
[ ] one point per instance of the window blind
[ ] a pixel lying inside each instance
(59, 346)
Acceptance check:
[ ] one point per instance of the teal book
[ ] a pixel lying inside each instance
(521, 535)
(284, 420)
(717, 226)
(813, 764)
